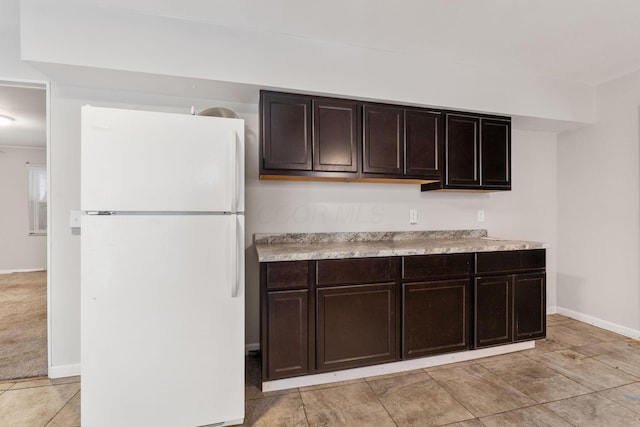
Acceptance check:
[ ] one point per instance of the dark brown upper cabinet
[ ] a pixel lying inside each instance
(423, 134)
(476, 154)
(335, 135)
(383, 145)
(286, 132)
(308, 137)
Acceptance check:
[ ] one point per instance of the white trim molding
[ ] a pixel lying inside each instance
(24, 270)
(63, 371)
(552, 310)
(394, 367)
(604, 324)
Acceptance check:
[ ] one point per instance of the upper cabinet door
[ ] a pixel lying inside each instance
(286, 132)
(383, 145)
(423, 130)
(335, 135)
(496, 154)
(462, 151)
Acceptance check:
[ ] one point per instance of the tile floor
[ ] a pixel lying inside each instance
(579, 376)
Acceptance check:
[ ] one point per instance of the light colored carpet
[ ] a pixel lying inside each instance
(23, 325)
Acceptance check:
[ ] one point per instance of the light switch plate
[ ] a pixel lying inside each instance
(75, 217)
(413, 216)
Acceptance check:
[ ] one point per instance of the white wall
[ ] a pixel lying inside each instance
(599, 213)
(18, 250)
(114, 38)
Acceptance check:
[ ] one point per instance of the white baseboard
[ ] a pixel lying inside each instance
(24, 270)
(62, 371)
(604, 324)
(393, 367)
(253, 346)
(552, 309)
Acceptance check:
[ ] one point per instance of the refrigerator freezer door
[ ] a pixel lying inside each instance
(162, 335)
(149, 161)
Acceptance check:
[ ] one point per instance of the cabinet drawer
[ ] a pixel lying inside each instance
(510, 261)
(353, 271)
(431, 266)
(288, 275)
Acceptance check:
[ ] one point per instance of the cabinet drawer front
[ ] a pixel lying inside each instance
(352, 271)
(429, 266)
(288, 275)
(510, 261)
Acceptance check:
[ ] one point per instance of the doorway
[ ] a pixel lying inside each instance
(24, 215)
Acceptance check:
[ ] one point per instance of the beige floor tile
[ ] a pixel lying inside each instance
(556, 319)
(5, 386)
(586, 371)
(569, 336)
(286, 411)
(469, 423)
(627, 360)
(34, 406)
(608, 347)
(595, 332)
(536, 381)
(545, 345)
(69, 416)
(417, 400)
(480, 391)
(348, 405)
(394, 375)
(450, 365)
(627, 396)
(45, 382)
(331, 385)
(509, 357)
(537, 416)
(594, 410)
(253, 381)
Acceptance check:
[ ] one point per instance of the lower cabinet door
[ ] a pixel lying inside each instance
(356, 326)
(288, 334)
(492, 307)
(436, 317)
(529, 306)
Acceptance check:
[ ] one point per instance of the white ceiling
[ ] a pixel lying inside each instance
(587, 41)
(27, 105)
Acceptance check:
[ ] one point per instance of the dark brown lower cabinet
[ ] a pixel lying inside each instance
(288, 344)
(529, 306)
(492, 310)
(509, 308)
(356, 326)
(436, 317)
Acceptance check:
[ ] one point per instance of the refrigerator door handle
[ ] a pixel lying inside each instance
(235, 169)
(237, 258)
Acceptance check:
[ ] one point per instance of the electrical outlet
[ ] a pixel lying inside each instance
(413, 216)
(480, 215)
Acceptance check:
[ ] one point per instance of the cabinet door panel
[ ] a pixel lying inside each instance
(286, 131)
(492, 305)
(529, 306)
(335, 135)
(383, 150)
(288, 341)
(462, 151)
(436, 317)
(496, 153)
(356, 326)
(422, 139)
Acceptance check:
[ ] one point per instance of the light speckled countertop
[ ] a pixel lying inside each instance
(313, 246)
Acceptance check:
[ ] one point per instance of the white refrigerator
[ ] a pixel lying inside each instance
(162, 269)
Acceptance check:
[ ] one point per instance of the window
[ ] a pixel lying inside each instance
(37, 199)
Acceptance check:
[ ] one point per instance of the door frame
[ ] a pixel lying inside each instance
(46, 85)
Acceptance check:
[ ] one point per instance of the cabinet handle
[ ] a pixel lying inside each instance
(238, 260)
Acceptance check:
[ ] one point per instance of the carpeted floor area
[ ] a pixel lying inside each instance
(23, 325)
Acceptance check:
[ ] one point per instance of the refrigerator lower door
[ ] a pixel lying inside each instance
(162, 320)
